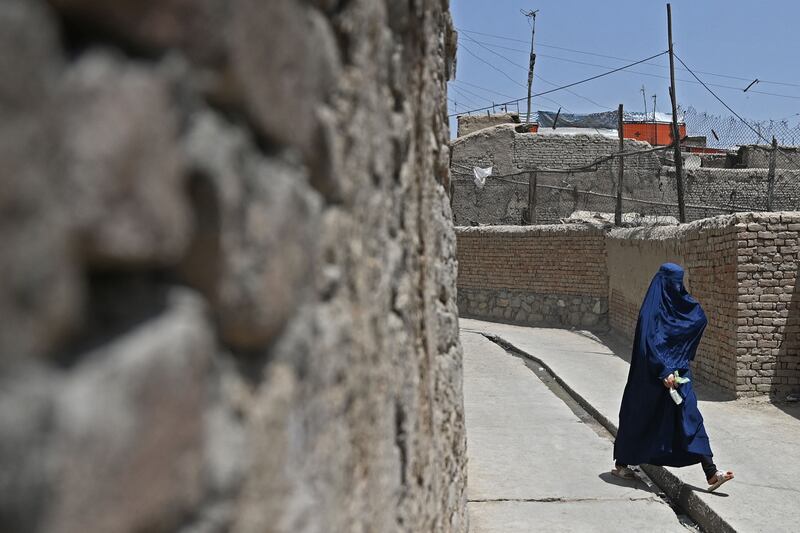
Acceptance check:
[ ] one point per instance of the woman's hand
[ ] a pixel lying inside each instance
(669, 381)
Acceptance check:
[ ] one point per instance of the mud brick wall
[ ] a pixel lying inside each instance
(227, 283)
(758, 156)
(539, 275)
(509, 153)
(467, 124)
(707, 251)
(745, 188)
(768, 347)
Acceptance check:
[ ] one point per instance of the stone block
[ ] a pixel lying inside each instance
(123, 179)
(129, 427)
(283, 51)
(262, 250)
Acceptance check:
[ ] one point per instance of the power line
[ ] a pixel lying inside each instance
(479, 43)
(503, 72)
(729, 87)
(467, 98)
(523, 67)
(505, 95)
(738, 78)
(720, 100)
(576, 83)
(482, 88)
(729, 108)
(479, 58)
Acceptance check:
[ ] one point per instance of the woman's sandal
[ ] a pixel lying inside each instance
(623, 472)
(722, 477)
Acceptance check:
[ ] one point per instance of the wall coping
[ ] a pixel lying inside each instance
(526, 230)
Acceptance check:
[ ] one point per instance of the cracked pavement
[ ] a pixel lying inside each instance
(534, 465)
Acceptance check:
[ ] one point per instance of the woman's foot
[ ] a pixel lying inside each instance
(623, 472)
(715, 481)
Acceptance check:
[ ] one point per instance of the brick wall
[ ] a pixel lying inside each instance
(742, 268)
(533, 274)
(569, 151)
(706, 250)
(768, 347)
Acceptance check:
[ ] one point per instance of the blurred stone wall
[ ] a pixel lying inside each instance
(227, 284)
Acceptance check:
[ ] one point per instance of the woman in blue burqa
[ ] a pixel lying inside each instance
(653, 427)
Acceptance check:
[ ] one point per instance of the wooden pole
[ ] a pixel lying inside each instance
(621, 160)
(771, 173)
(675, 131)
(574, 198)
(532, 179)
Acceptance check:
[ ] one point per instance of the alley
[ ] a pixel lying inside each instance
(534, 465)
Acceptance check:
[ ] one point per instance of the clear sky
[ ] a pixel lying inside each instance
(737, 39)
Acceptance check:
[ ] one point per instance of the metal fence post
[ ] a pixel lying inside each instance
(771, 173)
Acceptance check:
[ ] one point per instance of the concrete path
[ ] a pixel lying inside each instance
(534, 465)
(758, 440)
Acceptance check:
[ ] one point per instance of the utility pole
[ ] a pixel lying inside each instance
(532, 62)
(676, 140)
(621, 159)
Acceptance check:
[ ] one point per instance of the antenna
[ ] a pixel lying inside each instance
(532, 62)
(644, 99)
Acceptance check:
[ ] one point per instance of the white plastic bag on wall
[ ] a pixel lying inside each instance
(480, 175)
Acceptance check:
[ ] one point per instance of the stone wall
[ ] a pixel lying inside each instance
(228, 273)
(539, 275)
(470, 123)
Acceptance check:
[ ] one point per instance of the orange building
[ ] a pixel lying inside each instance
(656, 133)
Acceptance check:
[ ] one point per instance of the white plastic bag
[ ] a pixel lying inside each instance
(480, 175)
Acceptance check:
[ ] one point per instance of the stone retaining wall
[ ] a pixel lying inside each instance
(542, 275)
(227, 283)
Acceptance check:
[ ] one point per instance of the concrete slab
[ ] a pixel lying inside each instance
(528, 450)
(758, 440)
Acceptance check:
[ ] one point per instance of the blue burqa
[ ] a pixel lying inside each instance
(652, 428)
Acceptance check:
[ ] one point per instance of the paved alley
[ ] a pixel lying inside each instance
(755, 438)
(534, 465)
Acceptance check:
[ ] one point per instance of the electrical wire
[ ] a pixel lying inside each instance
(543, 45)
(479, 58)
(574, 83)
(506, 74)
(525, 68)
(729, 108)
(466, 97)
(503, 95)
